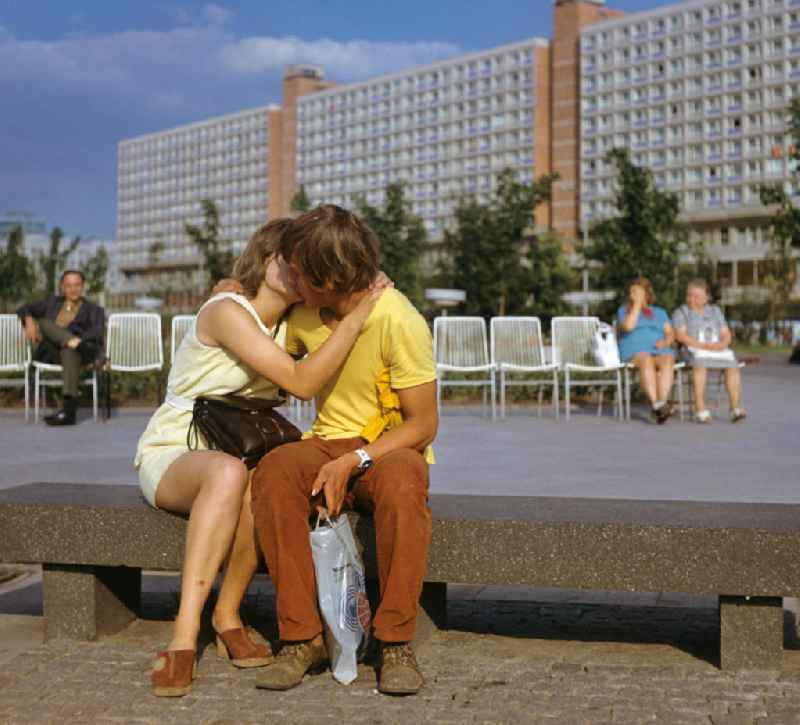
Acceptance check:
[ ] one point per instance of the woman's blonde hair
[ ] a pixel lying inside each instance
(250, 268)
(644, 283)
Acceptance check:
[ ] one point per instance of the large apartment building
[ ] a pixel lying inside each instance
(697, 91)
(445, 130)
(162, 179)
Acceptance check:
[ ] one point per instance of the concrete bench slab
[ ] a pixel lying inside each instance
(94, 540)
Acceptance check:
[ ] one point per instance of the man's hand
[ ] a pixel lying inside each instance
(32, 330)
(73, 342)
(332, 481)
(228, 285)
(661, 344)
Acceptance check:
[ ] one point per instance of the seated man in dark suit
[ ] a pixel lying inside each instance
(70, 329)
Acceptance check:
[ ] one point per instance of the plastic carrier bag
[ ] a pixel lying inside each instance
(604, 346)
(342, 594)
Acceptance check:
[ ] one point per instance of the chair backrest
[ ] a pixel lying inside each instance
(573, 338)
(133, 341)
(517, 340)
(460, 341)
(15, 352)
(181, 324)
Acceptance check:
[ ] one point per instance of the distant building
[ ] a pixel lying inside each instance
(698, 91)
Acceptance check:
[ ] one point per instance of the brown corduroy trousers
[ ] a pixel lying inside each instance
(394, 491)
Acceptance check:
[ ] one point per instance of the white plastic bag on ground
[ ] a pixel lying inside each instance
(342, 595)
(604, 345)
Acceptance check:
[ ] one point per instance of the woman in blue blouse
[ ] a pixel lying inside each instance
(646, 338)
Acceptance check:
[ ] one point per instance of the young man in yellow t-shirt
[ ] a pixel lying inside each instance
(368, 448)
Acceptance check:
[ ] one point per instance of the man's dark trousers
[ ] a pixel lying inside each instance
(53, 350)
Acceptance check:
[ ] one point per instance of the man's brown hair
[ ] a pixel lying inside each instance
(331, 245)
(251, 266)
(644, 283)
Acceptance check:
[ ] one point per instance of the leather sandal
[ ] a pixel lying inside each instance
(244, 647)
(173, 672)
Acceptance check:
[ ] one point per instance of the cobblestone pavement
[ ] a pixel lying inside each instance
(500, 662)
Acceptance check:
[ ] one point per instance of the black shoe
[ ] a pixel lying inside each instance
(662, 413)
(65, 416)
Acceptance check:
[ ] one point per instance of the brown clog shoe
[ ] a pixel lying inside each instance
(173, 672)
(244, 647)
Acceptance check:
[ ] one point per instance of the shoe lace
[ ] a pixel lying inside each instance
(401, 654)
(294, 649)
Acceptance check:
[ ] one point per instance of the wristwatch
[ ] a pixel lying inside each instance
(365, 462)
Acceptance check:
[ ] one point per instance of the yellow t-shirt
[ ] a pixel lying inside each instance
(395, 339)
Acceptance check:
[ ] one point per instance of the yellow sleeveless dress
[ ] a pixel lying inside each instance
(197, 370)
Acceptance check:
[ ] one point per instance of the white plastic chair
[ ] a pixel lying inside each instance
(15, 356)
(516, 346)
(572, 350)
(40, 383)
(133, 345)
(181, 324)
(459, 346)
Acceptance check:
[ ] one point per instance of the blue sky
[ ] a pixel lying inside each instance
(78, 76)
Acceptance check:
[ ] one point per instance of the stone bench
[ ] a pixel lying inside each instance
(94, 540)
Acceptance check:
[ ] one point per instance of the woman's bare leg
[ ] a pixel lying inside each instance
(733, 382)
(647, 374)
(242, 565)
(665, 366)
(208, 485)
(699, 386)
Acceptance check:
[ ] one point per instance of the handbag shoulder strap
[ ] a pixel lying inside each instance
(244, 302)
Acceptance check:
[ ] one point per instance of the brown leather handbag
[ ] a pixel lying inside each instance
(245, 428)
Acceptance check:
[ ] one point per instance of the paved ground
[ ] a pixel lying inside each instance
(589, 456)
(511, 655)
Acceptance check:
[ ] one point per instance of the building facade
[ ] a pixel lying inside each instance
(698, 91)
(162, 179)
(445, 130)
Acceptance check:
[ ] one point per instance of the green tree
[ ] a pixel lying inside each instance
(17, 274)
(644, 237)
(549, 278)
(300, 203)
(95, 269)
(403, 239)
(489, 252)
(54, 262)
(217, 252)
(785, 226)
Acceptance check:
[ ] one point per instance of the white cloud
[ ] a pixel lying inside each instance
(216, 14)
(349, 59)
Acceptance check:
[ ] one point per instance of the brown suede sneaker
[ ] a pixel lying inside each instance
(399, 672)
(292, 663)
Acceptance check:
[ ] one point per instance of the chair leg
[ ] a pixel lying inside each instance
(679, 378)
(541, 395)
(627, 395)
(567, 396)
(94, 395)
(620, 404)
(494, 396)
(36, 399)
(27, 384)
(555, 394)
(502, 394)
(108, 395)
